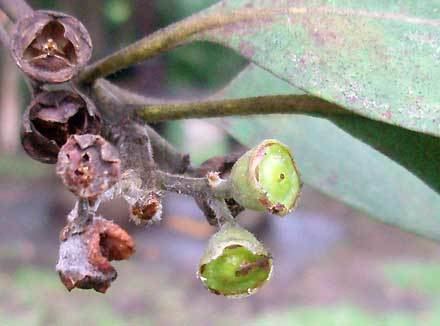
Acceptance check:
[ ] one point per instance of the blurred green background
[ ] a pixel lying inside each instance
(333, 265)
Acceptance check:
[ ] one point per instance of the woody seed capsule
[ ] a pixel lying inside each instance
(88, 165)
(50, 46)
(51, 118)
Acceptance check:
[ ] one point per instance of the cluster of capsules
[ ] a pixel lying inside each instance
(62, 126)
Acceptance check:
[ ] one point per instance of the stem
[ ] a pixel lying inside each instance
(300, 104)
(165, 39)
(112, 102)
(191, 186)
(136, 152)
(222, 212)
(150, 110)
(80, 216)
(165, 155)
(210, 196)
(15, 8)
(181, 184)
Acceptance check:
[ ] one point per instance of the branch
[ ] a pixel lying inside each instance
(151, 110)
(15, 8)
(209, 193)
(112, 103)
(166, 155)
(300, 104)
(165, 39)
(80, 216)
(193, 187)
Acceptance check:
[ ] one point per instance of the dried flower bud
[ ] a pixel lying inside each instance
(50, 46)
(84, 258)
(266, 178)
(51, 118)
(147, 209)
(88, 165)
(235, 263)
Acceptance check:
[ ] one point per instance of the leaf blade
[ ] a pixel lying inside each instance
(370, 58)
(338, 164)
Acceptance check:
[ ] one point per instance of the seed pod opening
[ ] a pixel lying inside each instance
(266, 178)
(50, 46)
(235, 263)
(51, 118)
(88, 165)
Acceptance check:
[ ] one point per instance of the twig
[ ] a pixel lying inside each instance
(192, 186)
(155, 110)
(15, 8)
(182, 184)
(80, 216)
(166, 155)
(135, 148)
(152, 110)
(112, 104)
(300, 104)
(212, 194)
(222, 212)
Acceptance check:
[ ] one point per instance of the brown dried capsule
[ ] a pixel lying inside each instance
(50, 46)
(88, 165)
(84, 258)
(51, 118)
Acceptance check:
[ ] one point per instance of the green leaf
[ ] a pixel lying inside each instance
(380, 59)
(341, 166)
(417, 152)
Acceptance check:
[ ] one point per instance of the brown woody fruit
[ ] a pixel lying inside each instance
(147, 209)
(50, 46)
(88, 165)
(51, 118)
(84, 258)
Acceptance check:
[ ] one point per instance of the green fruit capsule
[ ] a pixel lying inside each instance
(266, 178)
(235, 263)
